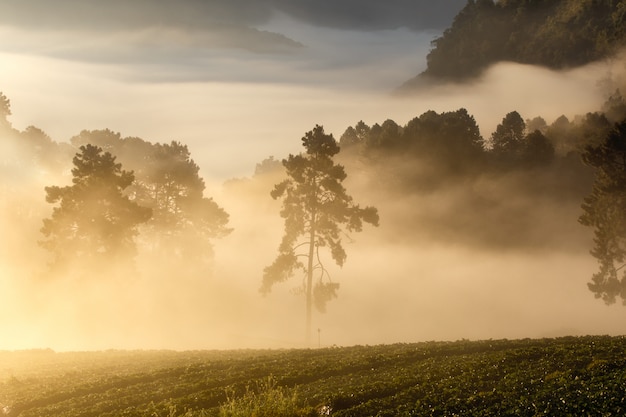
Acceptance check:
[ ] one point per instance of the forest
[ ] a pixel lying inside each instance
(553, 34)
(132, 203)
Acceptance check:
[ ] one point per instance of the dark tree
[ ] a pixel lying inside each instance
(537, 150)
(362, 131)
(551, 33)
(5, 111)
(385, 136)
(168, 181)
(537, 123)
(605, 211)
(452, 140)
(507, 141)
(563, 134)
(357, 135)
(316, 208)
(94, 220)
(349, 137)
(615, 106)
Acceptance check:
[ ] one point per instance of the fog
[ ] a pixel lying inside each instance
(431, 271)
(232, 126)
(414, 278)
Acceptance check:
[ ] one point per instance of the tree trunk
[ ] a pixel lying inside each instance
(309, 272)
(309, 286)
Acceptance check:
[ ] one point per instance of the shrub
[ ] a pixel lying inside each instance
(267, 400)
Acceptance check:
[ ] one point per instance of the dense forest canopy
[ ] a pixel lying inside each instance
(552, 33)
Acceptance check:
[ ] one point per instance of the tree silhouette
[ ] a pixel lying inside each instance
(5, 110)
(508, 139)
(94, 220)
(605, 211)
(183, 219)
(537, 149)
(451, 137)
(316, 209)
(168, 181)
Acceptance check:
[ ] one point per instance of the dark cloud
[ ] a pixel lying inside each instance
(160, 25)
(135, 14)
(221, 40)
(416, 15)
(200, 14)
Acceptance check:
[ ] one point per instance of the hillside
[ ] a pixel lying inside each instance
(552, 33)
(564, 376)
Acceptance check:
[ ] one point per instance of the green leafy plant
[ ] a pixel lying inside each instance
(266, 399)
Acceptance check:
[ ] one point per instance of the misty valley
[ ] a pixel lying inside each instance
(132, 243)
(134, 227)
(267, 213)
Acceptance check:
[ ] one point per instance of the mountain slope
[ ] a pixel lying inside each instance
(552, 33)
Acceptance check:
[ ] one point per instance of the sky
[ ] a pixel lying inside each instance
(241, 80)
(216, 74)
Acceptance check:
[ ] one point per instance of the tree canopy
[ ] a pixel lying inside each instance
(316, 209)
(555, 34)
(604, 210)
(168, 181)
(5, 109)
(93, 220)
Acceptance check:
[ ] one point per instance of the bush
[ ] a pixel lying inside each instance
(267, 400)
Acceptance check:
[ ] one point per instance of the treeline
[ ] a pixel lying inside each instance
(552, 33)
(449, 181)
(108, 193)
(520, 186)
(452, 140)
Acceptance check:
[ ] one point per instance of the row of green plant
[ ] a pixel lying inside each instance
(565, 376)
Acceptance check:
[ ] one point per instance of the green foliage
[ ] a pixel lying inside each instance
(512, 146)
(555, 34)
(538, 150)
(614, 107)
(509, 135)
(451, 146)
(563, 376)
(605, 211)
(267, 399)
(452, 186)
(165, 181)
(317, 209)
(168, 181)
(452, 139)
(94, 220)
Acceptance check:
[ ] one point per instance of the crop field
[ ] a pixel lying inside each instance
(564, 376)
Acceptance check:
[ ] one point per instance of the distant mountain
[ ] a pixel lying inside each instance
(552, 33)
